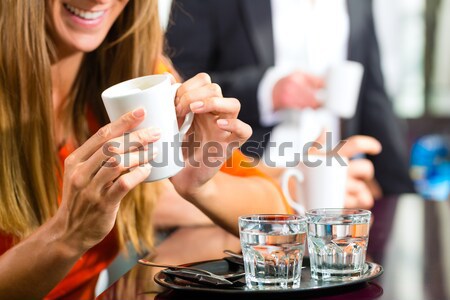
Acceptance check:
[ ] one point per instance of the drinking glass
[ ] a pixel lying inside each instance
(273, 246)
(337, 242)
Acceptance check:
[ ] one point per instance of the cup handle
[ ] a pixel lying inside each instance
(285, 187)
(188, 118)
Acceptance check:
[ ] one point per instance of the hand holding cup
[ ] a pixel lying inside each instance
(215, 129)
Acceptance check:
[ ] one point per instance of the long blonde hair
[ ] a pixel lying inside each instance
(28, 153)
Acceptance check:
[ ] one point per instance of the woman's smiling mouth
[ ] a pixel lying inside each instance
(84, 14)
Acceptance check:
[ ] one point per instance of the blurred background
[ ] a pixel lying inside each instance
(415, 54)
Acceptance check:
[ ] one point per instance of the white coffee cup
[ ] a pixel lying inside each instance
(321, 183)
(342, 86)
(156, 95)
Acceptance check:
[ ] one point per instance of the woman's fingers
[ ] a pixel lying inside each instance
(112, 130)
(227, 108)
(126, 182)
(139, 139)
(240, 131)
(361, 168)
(119, 165)
(195, 82)
(198, 88)
(351, 201)
(358, 194)
(360, 171)
(359, 144)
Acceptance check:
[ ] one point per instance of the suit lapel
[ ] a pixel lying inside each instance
(357, 13)
(355, 52)
(258, 21)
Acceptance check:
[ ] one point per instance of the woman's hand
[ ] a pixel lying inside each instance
(214, 134)
(98, 175)
(360, 179)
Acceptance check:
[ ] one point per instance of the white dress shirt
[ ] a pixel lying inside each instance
(309, 35)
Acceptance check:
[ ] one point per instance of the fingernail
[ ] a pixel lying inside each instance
(139, 112)
(222, 122)
(196, 105)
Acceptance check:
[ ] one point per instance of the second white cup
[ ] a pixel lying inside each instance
(320, 184)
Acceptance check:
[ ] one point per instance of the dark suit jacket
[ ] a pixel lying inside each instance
(232, 40)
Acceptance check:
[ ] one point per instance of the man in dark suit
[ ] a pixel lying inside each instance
(233, 41)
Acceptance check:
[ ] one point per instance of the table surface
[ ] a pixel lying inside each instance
(410, 238)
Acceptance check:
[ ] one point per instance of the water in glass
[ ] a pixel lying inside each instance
(337, 250)
(273, 259)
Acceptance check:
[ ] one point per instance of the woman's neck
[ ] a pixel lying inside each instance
(64, 72)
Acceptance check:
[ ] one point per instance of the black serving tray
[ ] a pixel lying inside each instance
(224, 266)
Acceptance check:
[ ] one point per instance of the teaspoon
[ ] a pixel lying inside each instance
(173, 267)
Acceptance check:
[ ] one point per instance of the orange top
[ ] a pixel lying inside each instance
(81, 280)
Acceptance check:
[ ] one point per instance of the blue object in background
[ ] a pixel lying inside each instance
(430, 166)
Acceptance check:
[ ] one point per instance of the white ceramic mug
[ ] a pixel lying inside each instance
(156, 94)
(342, 86)
(320, 185)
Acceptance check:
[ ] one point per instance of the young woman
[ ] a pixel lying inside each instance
(63, 215)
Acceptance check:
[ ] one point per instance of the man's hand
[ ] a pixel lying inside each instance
(297, 90)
